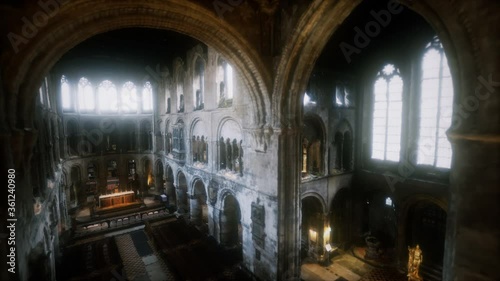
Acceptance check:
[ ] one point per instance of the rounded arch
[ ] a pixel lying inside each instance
(423, 221)
(230, 222)
(159, 172)
(182, 193)
(195, 181)
(194, 125)
(28, 65)
(317, 196)
(322, 19)
(199, 205)
(314, 140)
(312, 225)
(344, 126)
(340, 216)
(170, 187)
(223, 121)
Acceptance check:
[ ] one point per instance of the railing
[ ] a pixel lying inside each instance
(118, 222)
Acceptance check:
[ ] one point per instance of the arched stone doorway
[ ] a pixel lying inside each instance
(319, 22)
(230, 223)
(148, 175)
(181, 194)
(159, 177)
(170, 190)
(340, 218)
(426, 226)
(312, 240)
(380, 227)
(199, 208)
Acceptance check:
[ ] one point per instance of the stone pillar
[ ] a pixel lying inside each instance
(182, 200)
(472, 242)
(213, 222)
(289, 167)
(196, 211)
(170, 190)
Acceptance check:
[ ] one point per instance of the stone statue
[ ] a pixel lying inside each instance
(415, 258)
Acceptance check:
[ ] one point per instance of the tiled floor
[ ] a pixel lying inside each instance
(346, 267)
(137, 268)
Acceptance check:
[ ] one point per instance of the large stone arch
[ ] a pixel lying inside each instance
(316, 196)
(450, 20)
(404, 212)
(63, 31)
(321, 20)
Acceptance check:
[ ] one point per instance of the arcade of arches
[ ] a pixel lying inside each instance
(265, 134)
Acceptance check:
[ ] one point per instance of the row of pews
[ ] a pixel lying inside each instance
(193, 255)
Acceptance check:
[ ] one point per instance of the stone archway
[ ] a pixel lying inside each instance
(170, 190)
(312, 243)
(425, 225)
(199, 207)
(29, 62)
(304, 46)
(340, 218)
(159, 183)
(230, 223)
(181, 194)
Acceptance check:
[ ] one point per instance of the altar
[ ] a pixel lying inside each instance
(118, 198)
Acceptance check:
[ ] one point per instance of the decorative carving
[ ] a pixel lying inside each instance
(268, 6)
(231, 155)
(258, 223)
(199, 149)
(212, 193)
(415, 258)
(262, 137)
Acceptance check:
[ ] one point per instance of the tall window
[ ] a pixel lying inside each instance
(108, 96)
(147, 97)
(198, 84)
(387, 114)
(436, 102)
(129, 97)
(86, 100)
(229, 80)
(168, 101)
(224, 81)
(66, 94)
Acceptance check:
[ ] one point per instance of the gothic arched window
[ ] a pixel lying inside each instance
(107, 96)
(129, 99)
(436, 104)
(387, 114)
(86, 98)
(199, 84)
(66, 97)
(147, 97)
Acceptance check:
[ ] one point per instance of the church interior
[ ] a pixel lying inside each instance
(250, 140)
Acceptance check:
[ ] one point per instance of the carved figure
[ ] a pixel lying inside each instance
(415, 258)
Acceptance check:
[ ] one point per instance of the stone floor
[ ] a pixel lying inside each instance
(345, 267)
(148, 267)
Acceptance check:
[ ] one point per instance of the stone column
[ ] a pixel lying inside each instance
(170, 189)
(472, 242)
(289, 167)
(182, 200)
(196, 210)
